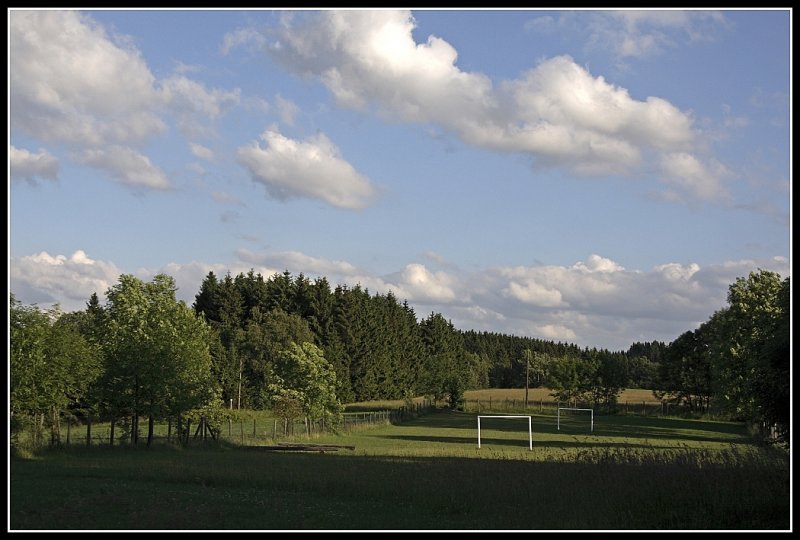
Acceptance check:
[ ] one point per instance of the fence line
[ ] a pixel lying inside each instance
(247, 430)
(250, 430)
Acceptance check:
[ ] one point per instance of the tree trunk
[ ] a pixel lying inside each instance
(149, 430)
(135, 429)
(239, 392)
(111, 437)
(57, 425)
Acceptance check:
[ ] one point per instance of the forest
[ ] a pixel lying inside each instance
(289, 342)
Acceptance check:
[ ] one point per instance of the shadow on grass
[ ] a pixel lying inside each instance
(224, 488)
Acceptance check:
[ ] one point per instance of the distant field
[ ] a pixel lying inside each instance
(536, 394)
(501, 394)
(631, 473)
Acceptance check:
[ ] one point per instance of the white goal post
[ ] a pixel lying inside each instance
(558, 416)
(530, 426)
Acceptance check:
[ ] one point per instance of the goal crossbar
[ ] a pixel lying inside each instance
(558, 416)
(530, 426)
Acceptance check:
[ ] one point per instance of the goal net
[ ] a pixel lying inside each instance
(508, 416)
(573, 419)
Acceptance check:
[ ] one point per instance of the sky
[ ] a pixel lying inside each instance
(593, 177)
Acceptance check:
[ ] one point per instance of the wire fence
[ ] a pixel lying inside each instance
(249, 428)
(246, 428)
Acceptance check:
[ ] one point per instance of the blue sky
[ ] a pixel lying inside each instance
(591, 177)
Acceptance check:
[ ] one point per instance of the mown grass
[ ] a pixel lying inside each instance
(425, 474)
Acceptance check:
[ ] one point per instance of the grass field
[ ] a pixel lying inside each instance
(630, 473)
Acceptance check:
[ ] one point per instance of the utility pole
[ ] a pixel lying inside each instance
(527, 370)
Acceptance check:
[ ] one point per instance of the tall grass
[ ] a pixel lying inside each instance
(425, 474)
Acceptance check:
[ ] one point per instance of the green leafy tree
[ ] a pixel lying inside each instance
(685, 369)
(445, 355)
(744, 328)
(157, 351)
(570, 378)
(772, 390)
(454, 390)
(266, 336)
(52, 365)
(301, 373)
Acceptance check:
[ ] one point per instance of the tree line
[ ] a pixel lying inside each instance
(290, 342)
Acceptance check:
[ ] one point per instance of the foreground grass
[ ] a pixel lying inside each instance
(426, 474)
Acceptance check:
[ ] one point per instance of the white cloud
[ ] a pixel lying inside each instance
(558, 113)
(26, 165)
(297, 262)
(312, 169)
(69, 82)
(693, 179)
(641, 33)
(531, 292)
(70, 281)
(72, 83)
(247, 37)
(287, 110)
(596, 263)
(201, 151)
(421, 285)
(676, 271)
(367, 56)
(127, 166)
(555, 332)
(192, 103)
(598, 308)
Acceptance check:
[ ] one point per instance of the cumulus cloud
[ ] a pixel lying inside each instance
(72, 83)
(421, 285)
(557, 112)
(594, 303)
(313, 169)
(694, 180)
(28, 166)
(67, 280)
(127, 166)
(69, 82)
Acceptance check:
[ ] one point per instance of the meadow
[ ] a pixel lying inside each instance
(426, 473)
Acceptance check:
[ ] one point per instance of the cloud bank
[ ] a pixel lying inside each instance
(593, 303)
